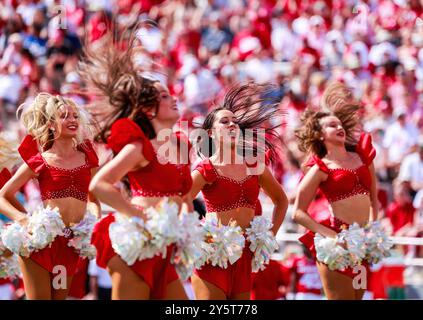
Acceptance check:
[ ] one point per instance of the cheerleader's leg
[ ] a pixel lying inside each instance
(175, 291)
(359, 294)
(37, 282)
(205, 290)
(336, 285)
(126, 284)
(61, 294)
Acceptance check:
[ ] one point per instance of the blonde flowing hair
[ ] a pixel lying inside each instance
(43, 114)
(9, 155)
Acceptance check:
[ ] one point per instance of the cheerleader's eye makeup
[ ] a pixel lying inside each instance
(226, 120)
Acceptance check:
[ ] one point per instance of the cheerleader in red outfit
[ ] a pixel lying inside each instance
(344, 172)
(63, 168)
(231, 192)
(140, 109)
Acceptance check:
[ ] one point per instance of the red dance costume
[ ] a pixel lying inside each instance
(236, 278)
(153, 180)
(343, 183)
(58, 183)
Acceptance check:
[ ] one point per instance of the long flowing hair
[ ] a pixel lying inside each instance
(110, 72)
(254, 110)
(336, 101)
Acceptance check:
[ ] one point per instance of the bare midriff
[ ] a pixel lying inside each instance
(71, 210)
(353, 209)
(146, 202)
(242, 216)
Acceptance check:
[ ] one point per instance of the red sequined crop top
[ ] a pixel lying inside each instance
(343, 183)
(222, 193)
(155, 179)
(58, 182)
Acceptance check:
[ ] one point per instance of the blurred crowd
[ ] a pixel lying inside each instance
(201, 47)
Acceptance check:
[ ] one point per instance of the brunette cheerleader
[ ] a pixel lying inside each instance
(51, 240)
(139, 109)
(345, 174)
(230, 190)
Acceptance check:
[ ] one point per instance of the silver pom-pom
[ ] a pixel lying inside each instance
(262, 242)
(163, 225)
(226, 243)
(81, 239)
(16, 239)
(9, 267)
(44, 225)
(331, 253)
(378, 244)
(354, 237)
(188, 250)
(2, 246)
(135, 239)
(128, 237)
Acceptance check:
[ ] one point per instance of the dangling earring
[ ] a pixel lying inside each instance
(153, 114)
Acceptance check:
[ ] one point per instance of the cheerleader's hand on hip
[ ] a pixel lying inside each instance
(187, 203)
(136, 212)
(328, 233)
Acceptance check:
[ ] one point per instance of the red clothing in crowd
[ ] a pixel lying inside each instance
(126, 6)
(307, 279)
(267, 283)
(244, 43)
(388, 276)
(400, 215)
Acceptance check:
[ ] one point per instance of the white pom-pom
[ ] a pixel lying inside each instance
(128, 237)
(226, 243)
(331, 253)
(81, 239)
(9, 267)
(16, 239)
(378, 244)
(163, 225)
(189, 246)
(354, 238)
(2, 246)
(262, 242)
(44, 225)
